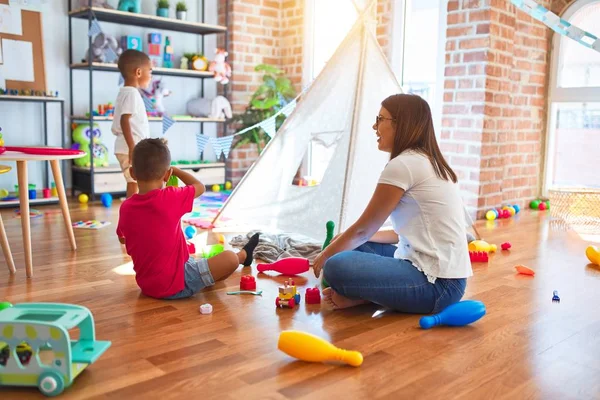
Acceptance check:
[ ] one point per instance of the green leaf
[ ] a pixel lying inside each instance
(269, 69)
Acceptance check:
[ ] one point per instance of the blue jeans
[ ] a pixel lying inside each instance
(371, 273)
(197, 277)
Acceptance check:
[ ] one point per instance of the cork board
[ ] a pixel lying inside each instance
(32, 33)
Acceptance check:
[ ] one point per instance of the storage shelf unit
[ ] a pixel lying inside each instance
(44, 100)
(98, 180)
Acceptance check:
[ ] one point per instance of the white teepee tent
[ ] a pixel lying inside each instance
(338, 111)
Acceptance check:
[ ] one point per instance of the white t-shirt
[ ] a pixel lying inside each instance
(430, 218)
(129, 101)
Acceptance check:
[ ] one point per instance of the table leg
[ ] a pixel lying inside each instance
(6, 249)
(25, 223)
(62, 197)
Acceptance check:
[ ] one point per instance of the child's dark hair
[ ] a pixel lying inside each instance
(151, 160)
(130, 60)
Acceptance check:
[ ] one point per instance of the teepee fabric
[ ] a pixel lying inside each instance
(337, 112)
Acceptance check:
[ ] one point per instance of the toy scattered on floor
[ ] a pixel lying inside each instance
(523, 270)
(288, 295)
(206, 309)
(307, 347)
(106, 200)
(190, 232)
(83, 198)
(90, 224)
(153, 50)
(168, 53)
(458, 314)
(254, 292)
(100, 44)
(330, 227)
(219, 107)
(286, 266)
(247, 282)
(555, 298)
(593, 254)
(504, 212)
(33, 213)
(220, 67)
(482, 245)
(212, 250)
(312, 296)
(191, 247)
(478, 256)
(206, 208)
(505, 246)
(537, 204)
(37, 335)
(130, 42)
(82, 135)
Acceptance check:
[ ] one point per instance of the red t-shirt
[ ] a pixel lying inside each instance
(151, 226)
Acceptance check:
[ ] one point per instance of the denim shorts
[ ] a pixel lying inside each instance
(197, 277)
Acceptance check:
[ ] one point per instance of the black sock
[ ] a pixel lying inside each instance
(249, 248)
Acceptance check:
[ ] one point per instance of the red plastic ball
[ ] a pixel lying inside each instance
(505, 214)
(542, 206)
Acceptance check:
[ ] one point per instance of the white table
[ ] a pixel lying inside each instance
(22, 160)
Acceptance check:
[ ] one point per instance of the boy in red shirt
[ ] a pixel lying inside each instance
(150, 228)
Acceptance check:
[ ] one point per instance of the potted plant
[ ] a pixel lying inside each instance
(162, 8)
(275, 93)
(181, 10)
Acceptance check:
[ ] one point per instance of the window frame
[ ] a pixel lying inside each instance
(561, 95)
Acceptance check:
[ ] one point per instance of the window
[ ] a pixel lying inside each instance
(574, 105)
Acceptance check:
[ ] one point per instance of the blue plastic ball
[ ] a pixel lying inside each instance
(517, 208)
(106, 200)
(189, 232)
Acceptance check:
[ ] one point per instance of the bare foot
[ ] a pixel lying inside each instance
(337, 301)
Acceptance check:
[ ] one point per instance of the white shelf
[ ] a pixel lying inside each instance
(37, 201)
(152, 119)
(96, 66)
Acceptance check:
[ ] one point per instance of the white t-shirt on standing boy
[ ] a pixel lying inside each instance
(129, 101)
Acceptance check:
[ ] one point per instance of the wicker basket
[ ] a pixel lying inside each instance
(576, 208)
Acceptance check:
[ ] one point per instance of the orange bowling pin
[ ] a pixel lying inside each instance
(307, 347)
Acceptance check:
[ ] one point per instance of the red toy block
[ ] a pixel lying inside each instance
(153, 49)
(478, 256)
(505, 246)
(313, 296)
(247, 282)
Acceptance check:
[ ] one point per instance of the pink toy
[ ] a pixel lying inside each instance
(286, 266)
(542, 206)
(247, 282)
(220, 67)
(478, 256)
(313, 296)
(505, 246)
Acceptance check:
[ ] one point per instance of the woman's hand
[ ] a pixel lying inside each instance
(319, 263)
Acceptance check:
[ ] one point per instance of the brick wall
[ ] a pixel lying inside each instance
(495, 101)
(384, 25)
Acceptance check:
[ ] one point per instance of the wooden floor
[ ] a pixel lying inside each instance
(525, 347)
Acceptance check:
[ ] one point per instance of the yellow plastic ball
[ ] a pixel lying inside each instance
(512, 211)
(490, 215)
(83, 198)
(227, 185)
(216, 188)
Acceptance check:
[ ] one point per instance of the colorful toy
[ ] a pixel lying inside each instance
(83, 198)
(330, 227)
(132, 6)
(505, 246)
(220, 67)
(184, 63)
(216, 188)
(90, 224)
(190, 232)
(199, 62)
(129, 42)
(82, 135)
(45, 193)
(312, 296)
(106, 200)
(168, 53)
(542, 206)
(478, 256)
(555, 298)
(286, 266)
(288, 296)
(307, 347)
(154, 42)
(482, 245)
(100, 45)
(523, 270)
(255, 293)
(104, 110)
(457, 314)
(593, 254)
(158, 92)
(32, 192)
(227, 185)
(247, 282)
(206, 309)
(212, 250)
(53, 190)
(33, 213)
(537, 204)
(491, 215)
(28, 332)
(191, 247)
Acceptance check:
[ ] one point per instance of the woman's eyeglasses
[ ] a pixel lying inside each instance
(379, 118)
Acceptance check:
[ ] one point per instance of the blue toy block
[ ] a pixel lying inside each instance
(154, 38)
(131, 43)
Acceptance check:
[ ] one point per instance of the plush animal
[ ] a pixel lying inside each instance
(82, 135)
(220, 67)
(157, 93)
(100, 43)
(218, 107)
(95, 3)
(132, 6)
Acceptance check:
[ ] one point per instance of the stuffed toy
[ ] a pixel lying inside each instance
(157, 93)
(100, 43)
(82, 135)
(218, 107)
(220, 67)
(95, 3)
(132, 6)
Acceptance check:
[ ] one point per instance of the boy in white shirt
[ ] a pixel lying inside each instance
(130, 123)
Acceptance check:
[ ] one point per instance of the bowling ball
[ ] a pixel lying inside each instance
(490, 215)
(83, 198)
(534, 204)
(542, 206)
